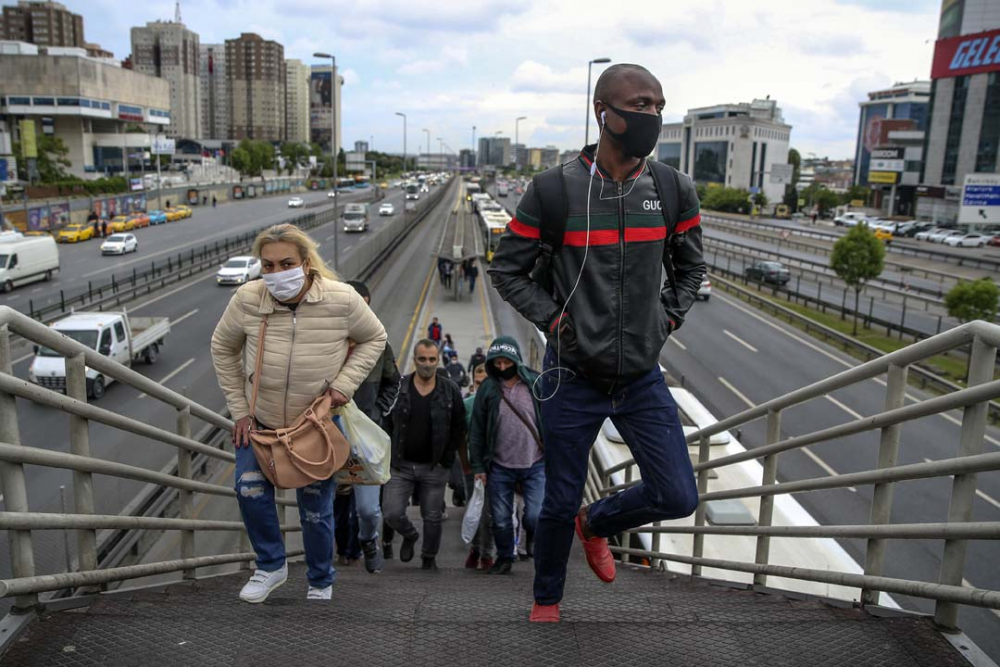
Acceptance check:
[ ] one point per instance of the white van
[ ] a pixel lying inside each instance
(26, 259)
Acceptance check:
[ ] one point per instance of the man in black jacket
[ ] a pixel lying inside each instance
(427, 427)
(607, 311)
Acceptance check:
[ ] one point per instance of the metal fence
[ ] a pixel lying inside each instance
(948, 591)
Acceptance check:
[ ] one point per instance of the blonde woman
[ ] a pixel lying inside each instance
(312, 316)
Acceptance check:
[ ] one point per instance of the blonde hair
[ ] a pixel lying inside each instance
(307, 247)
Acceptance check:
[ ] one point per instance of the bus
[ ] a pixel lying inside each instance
(345, 183)
(471, 189)
(494, 224)
(412, 191)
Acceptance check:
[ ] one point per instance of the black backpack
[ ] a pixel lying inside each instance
(550, 193)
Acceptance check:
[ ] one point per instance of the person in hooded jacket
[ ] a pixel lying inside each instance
(505, 448)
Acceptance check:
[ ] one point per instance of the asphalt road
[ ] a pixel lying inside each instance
(83, 262)
(194, 307)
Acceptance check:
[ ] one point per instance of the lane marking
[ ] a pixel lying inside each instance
(416, 313)
(678, 343)
(979, 492)
(172, 292)
(736, 391)
(739, 340)
(183, 317)
(825, 466)
(171, 375)
(856, 415)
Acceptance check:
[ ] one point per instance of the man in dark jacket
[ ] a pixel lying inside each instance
(477, 358)
(607, 313)
(505, 449)
(427, 427)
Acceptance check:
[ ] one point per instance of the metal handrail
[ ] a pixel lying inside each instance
(984, 339)
(56, 521)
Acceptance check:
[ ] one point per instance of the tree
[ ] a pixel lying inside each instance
(856, 192)
(795, 160)
(51, 161)
(973, 300)
(729, 200)
(240, 160)
(857, 257)
(817, 195)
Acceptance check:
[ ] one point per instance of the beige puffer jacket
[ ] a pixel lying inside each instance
(303, 351)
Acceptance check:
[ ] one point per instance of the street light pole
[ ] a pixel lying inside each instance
(517, 141)
(333, 154)
(404, 139)
(428, 143)
(586, 132)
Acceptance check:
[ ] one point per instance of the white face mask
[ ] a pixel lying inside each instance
(285, 285)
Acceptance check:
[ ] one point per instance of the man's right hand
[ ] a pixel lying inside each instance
(481, 477)
(241, 432)
(562, 332)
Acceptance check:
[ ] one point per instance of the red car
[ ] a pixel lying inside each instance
(994, 240)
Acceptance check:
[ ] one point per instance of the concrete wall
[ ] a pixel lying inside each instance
(975, 102)
(61, 75)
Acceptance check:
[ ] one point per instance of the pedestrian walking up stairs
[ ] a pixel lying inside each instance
(404, 616)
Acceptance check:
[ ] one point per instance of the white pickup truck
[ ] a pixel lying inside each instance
(116, 335)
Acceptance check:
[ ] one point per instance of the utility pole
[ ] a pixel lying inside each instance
(399, 113)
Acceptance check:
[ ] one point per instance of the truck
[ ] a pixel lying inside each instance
(26, 259)
(355, 218)
(502, 190)
(116, 335)
(412, 191)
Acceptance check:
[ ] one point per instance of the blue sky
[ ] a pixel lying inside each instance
(451, 65)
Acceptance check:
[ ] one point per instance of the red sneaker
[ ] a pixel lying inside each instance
(485, 564)
(599, 556)
(472, 560)
(544, 613)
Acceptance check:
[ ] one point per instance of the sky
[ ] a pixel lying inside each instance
(453, 65)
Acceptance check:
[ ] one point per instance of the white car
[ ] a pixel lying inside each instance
(942, 234)
(967, 240)
(849, 219)
(386, 209)
(238, 270)
(296, 202)
(424, 188)
(705, 291)
(331, 194)
(119, 244)
(926, 234)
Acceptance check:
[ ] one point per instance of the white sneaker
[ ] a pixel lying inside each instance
(320, 593)
(262, 583)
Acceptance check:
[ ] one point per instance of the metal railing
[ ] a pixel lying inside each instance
(948, 591)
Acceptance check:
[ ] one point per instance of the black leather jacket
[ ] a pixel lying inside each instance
(624, 308)
(447, 421)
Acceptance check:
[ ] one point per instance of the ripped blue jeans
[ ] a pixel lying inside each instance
(260, 516)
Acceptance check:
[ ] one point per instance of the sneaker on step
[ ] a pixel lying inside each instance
(502, 566)
(406, 551)
(320, 593)
(262, 583)
(598, 554)
(387, 550)
(485, 564)
(544, 613)
(429, 564)
(472, 560)
(373, 557)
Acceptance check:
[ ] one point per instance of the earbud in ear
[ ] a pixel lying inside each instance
(603, 122)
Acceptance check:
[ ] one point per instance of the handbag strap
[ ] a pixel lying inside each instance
(524, 420)
(258, 362)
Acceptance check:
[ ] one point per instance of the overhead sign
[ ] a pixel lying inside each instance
(355, 161)
(164, 146)
(980, 200)
(781, 174)
(966, 54)
(883, 177)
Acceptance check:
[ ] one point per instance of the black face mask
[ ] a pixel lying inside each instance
(507, 373)
(642, 130)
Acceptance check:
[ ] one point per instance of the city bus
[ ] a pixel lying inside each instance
(412, 191)
(494, 224)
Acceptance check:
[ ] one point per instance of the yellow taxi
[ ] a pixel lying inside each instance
(185, 210)
(173, 214)
(883, 235)
(384, 185)
(140, 220)
(75, 232)
(121, 223)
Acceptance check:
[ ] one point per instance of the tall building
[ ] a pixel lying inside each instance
(734, 145)
(42, 23)
(361, 147)
(494, 151)
(214, 89)
(255, 68)
(549, 157)
(466, 159)
(296, 101)
(963, 131)
(320, 104)
(170, 51)
(901, 102)
(567, 156)
(519, 155)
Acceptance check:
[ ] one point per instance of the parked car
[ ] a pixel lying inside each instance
(119, 244)
(140, 220)
(386, 209)
(994, 241)
(185, 210)
(238, 270)
(74, 233)
(296, 202)
(927, 233)
(121, 223)
(705, 291)
(769, 272)
(966, 240)
(883, 234)
(917, 228)
(939, 237)
(849, 219)
(157, 217)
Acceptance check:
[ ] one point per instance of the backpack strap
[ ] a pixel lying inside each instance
(668, 188)
(550, 193)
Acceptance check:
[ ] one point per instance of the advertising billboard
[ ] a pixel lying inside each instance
(966, 54)
(887, 159)
(320, 95)
(883, 177)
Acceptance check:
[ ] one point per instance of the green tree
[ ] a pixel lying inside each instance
(791, 198)
(795, 160)
(295, 155)
(856, 192)
(973, 300)
(857, 257)
(51, 162)
(729, 200)
(240, 160)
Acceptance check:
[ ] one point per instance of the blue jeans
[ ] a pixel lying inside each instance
(260, 516)
(645, 415)
(356, 518)
(500, 483)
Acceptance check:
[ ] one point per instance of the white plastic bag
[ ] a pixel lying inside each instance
(370, 449)
(473, 512)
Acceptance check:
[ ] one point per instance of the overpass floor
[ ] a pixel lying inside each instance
(405, 616)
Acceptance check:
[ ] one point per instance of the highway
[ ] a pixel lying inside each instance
(194, 307)
(733, 357)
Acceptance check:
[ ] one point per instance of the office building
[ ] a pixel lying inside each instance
(321, 97)
(467, 159)
(567, 156)
(42, 24)
(549, 157)
(214, 90)
(494, 151)
(734, 145)
(963, 131)
(904, 106)
(87, 103)
(296, 101)
(170, 51)
(361, 147)
(255, 70)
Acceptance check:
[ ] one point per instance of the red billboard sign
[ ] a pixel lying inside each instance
(966, 54)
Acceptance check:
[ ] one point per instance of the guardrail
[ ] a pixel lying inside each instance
(948, 591)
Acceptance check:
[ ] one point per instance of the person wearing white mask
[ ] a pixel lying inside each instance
(312, 318)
